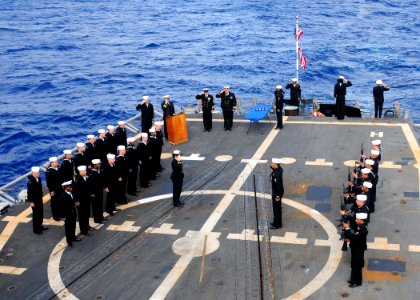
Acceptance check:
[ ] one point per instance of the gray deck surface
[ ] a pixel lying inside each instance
(116, 264)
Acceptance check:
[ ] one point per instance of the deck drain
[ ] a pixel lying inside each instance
(396, 230)
(225, 221)
(186, 218)
(211, 203)
(220, 283)
(61, 268)
(156, 277)
(378, 289)
(135, 256)
(344, 295)
(11, 288)
(302, 266)
(99, 297)
(215, 258)
(316, 226)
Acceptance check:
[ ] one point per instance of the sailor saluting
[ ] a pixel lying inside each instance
(228, 105)
(177, 177)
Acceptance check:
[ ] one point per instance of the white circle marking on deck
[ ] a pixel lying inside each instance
(335, 254)
(350, 163)
(287, 160)
(223, 158)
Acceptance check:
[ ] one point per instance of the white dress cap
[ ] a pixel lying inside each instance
(53, 158)
(369, 162)
(361, 216)
(80, 145)
(226, 87)
(81, 168)
(96, 161)
(294, 79)
(367, 184)
(166, 97)
(376, 142)
(365, 171)
(152, 130)
(375, 152)
(121, 123)
(279, 87)
(110, 156)
(361, 197)
(35, 169)
(145, 97)
(276, 160)
(378, 82)
(159, 123)
(176, 152)
(90, 136)
(130, 140)
(144, 134)
(67, 152)
(101, 131)
(110, 127)
(67, 183)
(120, 147)
(340, 77)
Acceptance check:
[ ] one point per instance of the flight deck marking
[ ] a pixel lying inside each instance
(319, 162)
(261, 161)
(289, 238)
(126, 226)
(380, 243)
(245, 235)
(413, 248)
(165, 228)
(11, 270)
(376, 134)
(223, 158)
(194, 156)
(389, 165)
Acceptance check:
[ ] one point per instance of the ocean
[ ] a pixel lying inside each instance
(69, 68)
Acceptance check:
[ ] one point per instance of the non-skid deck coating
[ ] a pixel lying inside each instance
(151, 250)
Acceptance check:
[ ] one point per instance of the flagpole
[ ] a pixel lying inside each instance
(297, 48)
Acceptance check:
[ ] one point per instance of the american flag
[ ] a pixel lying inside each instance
(299, 34)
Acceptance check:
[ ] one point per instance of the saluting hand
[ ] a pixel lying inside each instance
(277, 198)
(32, 204)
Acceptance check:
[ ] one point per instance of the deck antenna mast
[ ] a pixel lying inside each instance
(297, 48)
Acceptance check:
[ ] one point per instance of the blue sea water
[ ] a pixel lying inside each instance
(68, 68)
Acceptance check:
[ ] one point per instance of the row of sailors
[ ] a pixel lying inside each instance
(93, 179)
(361, 195)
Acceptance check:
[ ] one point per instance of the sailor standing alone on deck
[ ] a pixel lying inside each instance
(277, 192)
(147, 114)
(228, 105)
(279, 94)
(35, 195)
(340, 89)
(378, 97)
(177, 177)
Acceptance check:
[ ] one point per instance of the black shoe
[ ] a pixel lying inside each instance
(111, 213)
(77, 240)
(117, 209)
(132, 194)
(179, 204)
(276, 128)
(204, 130)
(38, 232)
(281, 127)
(85, 233)
(353, 285)
(275, 227)
(98, 222)
(348, 281)
(209, 130)
(44, 227)
(272, 223)
(70, 244)
(226, 129)
(230, 129)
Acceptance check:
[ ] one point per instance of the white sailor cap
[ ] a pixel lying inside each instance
(53, 158)
(35, 169)
(110, 127)
(81, 168)
(159, 123)
(144, 134)
(176, 152)
(67, 152)
(340, 77)
(101, 131)
(226, 87)
(369, 162)
(294, 79)
(67, 183)
(152, 129)
(365, 171)
(376, 142)
(145, 97)
(361, 197)
(166, 97)
(367, 184)
(379, 82)
(110, 156)
(279, 87)
(131, 140)
(276, 161)
(80, 145)
(121, 123)
(361, 216)
(96, 161)
(120, 147)
(90, 136)
(375, 152)
(205, 90)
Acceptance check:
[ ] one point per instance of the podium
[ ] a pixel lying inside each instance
(177, 129)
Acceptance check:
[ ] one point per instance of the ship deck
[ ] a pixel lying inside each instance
(219, 245)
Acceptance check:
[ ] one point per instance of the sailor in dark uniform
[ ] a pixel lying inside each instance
(374, 155)
(90, 151)
(155, 149)
(340, 90)
(228, 105)
(279, 94)
(159, 137)
(376, 145)
(277, 192)
(132, 160)
(79, 157)
(177, 178)
(35, 194)
(359, 206)
(110, 184)
(357, 233)
(295, 93)
(54, 186)
(366, 190)
(378, 97)
(66, 169)
(121, 134)
(100, 146)
(96, 190)
(68, 213)
(147, 114)
(207, 104)
(110, 142)
(121, 165)
(168, 110)
(144, 159)
(83, 196)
